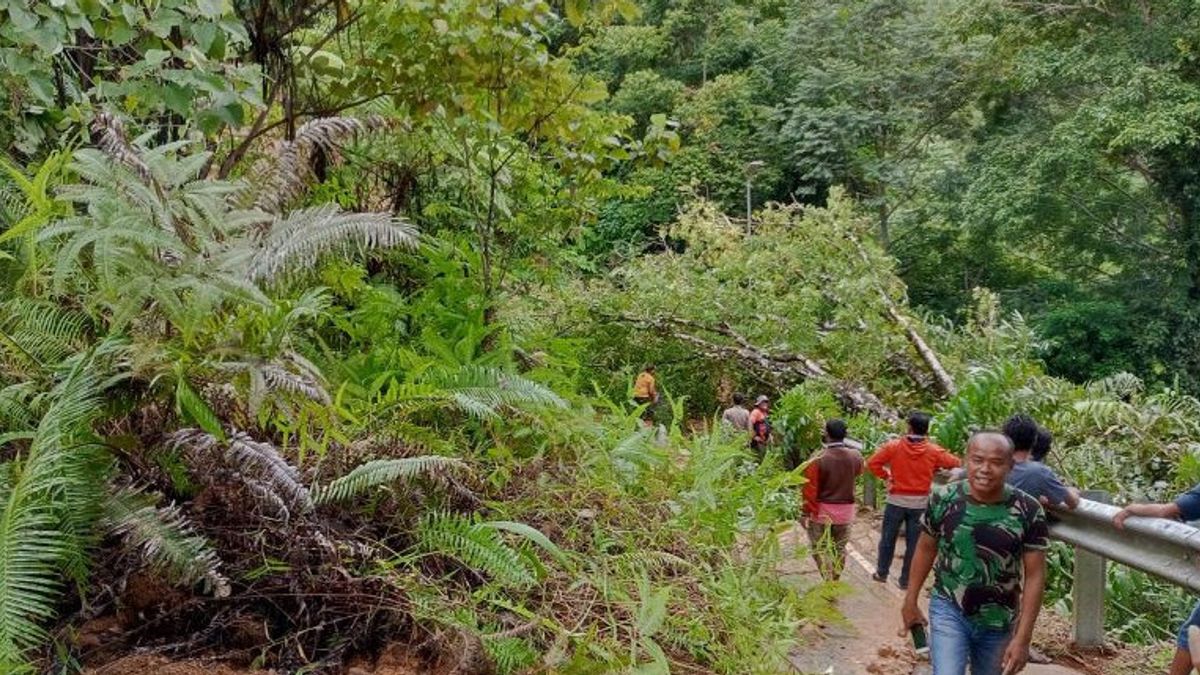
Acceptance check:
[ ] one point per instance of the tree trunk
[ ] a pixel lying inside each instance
(783, 369)
(930, 357)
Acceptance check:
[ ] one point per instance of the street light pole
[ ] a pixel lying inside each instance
(750, 169)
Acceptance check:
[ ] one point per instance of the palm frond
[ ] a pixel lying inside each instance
(113, 140)
(166, 540)
(481, 391)
(40, 519)
(250, 458)
(282, 179)
(382, 471)
(1124, 386)
(303, 236)
(41, 332)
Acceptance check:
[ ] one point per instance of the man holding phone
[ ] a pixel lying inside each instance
(982, 539)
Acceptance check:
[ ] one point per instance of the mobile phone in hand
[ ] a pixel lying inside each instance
(920, 643)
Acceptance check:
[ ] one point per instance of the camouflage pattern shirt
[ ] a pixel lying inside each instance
(979, 550)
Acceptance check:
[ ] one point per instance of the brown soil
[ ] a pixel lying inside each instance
(158, 665)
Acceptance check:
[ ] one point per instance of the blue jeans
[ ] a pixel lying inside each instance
(893, 517)
(1194, 620)
(954, 641)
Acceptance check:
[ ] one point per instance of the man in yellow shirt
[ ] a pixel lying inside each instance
(645, 392)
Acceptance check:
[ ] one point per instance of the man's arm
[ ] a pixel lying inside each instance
(1072, 499)
(1016, 655)
(881, 457)
(1170, 510)
(945, 460)
(812, 474)
(922, 563)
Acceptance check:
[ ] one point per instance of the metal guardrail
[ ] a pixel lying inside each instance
(1167, 549)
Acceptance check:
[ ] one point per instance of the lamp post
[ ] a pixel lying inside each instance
(751, 168)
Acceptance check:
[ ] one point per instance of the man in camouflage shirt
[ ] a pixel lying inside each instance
(980, 537)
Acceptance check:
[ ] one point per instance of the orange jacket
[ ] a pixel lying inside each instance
(912, 461)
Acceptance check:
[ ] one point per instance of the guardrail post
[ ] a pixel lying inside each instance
(1088, 590)
(869, 497)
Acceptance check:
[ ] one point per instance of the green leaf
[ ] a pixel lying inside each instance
(532, 534)
(193, 406)
(210, 9)
(653, 610)
(22, 19)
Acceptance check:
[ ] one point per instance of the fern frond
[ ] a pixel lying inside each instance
(256, 459)
(476, 545)
(303, 236)
(167, 541)
(382, 471)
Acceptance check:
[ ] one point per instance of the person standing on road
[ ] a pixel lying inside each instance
(760, 425)
(908, 465)
(645, 393)
(829, 499)
(1186, 507)
(1030, 475)
(736, 415)
(986, 545)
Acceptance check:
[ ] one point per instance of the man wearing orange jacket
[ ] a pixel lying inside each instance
(907, 464)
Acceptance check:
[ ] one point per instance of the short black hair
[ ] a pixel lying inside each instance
(1022, 431)
(1041, 444)
(918, 422)
(739, 398)
(992, 433)
(835, 429)
(649, 368)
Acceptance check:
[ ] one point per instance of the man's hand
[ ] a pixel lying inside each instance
(1016, 655)
(1119, 519)
(911, 615)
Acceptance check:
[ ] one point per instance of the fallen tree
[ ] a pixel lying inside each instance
(782, 369)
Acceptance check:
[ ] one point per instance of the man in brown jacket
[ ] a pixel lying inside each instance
(829, 499)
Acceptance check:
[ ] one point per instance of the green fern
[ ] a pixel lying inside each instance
(382, 471)
(476, 545)
(511, 654)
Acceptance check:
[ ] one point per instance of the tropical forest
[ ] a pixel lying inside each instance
(323, 322)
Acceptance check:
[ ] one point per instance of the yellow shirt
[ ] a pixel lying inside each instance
(644, 386)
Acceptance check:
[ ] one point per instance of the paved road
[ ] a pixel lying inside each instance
(867, 642)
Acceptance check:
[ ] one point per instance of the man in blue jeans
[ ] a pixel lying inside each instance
(986, 544)
(1186, 507)
(908, 465)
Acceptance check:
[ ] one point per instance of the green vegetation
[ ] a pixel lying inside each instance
(321, 317)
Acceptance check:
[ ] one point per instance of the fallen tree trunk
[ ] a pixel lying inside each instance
(781, 369)
(944, 381)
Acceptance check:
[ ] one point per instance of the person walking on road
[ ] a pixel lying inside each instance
(908, 465)
(985, 542)
(645, 393)
(760, 425)
(1186, 507)
(736, 415)
(1030, 475)
(829, 499)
